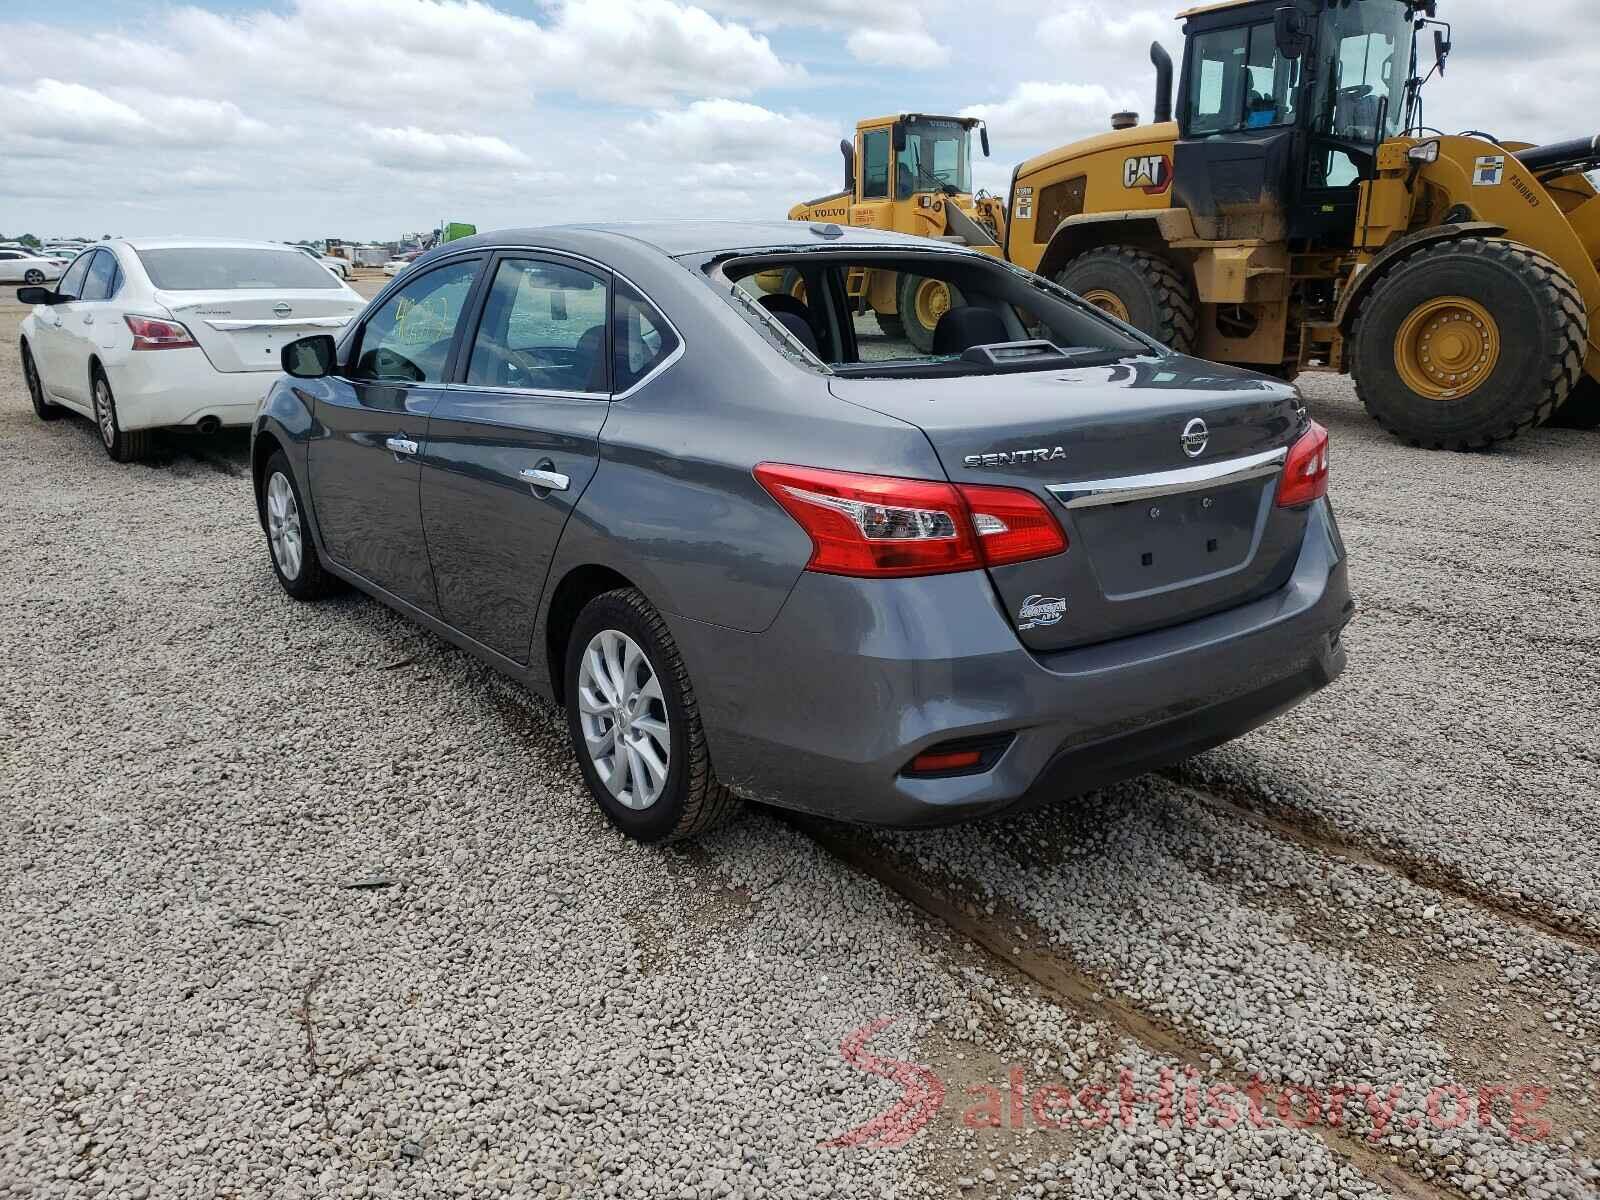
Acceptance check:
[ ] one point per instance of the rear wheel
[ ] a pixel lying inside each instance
(33, 276)
(1140, 288)
(922, 302)
(42, 408)
(635, 723)
(122, 445)
(1468, 343)
(1582, 409)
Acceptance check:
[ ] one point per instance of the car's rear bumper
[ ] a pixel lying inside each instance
(824, 710)
(181, 387)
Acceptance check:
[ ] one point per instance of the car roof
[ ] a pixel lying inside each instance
(200, 243)
(675, 238)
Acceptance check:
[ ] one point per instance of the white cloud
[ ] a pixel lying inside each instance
(897, 48)
(879, 34)
(413, 147)
(1053, 113)
(722, 129)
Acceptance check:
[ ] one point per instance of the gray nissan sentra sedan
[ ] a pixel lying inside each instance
(677, 478)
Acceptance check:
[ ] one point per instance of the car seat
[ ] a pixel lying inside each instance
(966, 326)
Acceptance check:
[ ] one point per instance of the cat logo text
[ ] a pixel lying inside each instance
(1150, 173)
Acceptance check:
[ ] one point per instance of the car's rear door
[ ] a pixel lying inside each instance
(362, 465)
(514, 441)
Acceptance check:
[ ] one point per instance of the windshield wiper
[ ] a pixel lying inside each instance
(949, 189)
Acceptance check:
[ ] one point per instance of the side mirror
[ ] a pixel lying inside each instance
(983, 139)
(37, 295)
(1441, 49)
(310, 357)
(899, 136)
(1291, 32)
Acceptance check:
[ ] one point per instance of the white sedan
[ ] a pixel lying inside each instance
(18, 264)
(337, 265)
(149, 332)
(395, 265)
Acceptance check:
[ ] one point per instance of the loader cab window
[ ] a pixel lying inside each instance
(1238, 80)
(875, 165)
(1365, 57)
(937, 157)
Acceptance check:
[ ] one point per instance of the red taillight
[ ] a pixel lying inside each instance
(878, 525)
(1305, 474)
(931, 762)
(149, 333)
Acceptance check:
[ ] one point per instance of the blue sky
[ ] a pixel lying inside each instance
(370, 118)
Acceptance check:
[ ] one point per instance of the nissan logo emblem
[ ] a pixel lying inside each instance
(1195, 437)
(282, 308)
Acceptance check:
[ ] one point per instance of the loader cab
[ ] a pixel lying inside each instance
(1281, 109)
(907, 160)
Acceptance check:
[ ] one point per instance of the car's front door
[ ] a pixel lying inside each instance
(371, 426)
(513, 444)
(63, 375)
(89, 324)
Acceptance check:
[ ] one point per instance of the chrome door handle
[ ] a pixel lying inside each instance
(543, 480)
(401, 445)
(88, 318)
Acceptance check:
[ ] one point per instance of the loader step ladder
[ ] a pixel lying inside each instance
(1321, 348)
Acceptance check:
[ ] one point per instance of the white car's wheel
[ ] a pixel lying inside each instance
(34, 276)
(122, 445)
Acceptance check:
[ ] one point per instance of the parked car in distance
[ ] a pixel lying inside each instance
(333, 263)
(757, 553)
(153, 332)
(29, 266)
(395, 265)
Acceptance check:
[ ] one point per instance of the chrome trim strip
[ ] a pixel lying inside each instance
(285, 323)
(540, 393)
(1129, 488)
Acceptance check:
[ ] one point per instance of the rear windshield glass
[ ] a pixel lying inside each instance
(883, 314)
(206, 269)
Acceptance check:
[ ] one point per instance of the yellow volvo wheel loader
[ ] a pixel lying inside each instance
(1293, 213)
(911, 173)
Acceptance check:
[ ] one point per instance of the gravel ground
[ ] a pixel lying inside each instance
(303, 902)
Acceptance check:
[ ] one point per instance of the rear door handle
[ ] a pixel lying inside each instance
(544, 480)
(401, 446)
(88, 318)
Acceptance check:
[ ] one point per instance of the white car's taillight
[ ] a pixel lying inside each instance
(151, 333)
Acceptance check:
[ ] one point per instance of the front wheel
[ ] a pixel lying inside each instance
(635, 723)
(294, 553)
(1140, 289)
(34, 277)
(1468, 343)
(121, 445)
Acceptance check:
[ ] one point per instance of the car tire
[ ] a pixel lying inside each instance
(121, 445)
(1140, 288)
(1516, 319)
(34, 277)
(42, 408)
(623, 670)
(290, 546)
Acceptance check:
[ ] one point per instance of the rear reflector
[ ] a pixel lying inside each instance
(150, 333)
(1305, 474)
(882, 526)
(955, 760)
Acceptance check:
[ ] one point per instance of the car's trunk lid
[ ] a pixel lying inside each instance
(245, 331)
(1165, 522)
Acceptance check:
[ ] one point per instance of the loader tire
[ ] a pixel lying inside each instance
(1145, 290)
(922, 302)
(891, 325)
(1582, 409)
(1468, 343)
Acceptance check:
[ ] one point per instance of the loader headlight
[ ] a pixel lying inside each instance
(1427, 152)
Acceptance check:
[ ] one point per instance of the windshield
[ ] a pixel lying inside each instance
(1364, 60)
(937, 157)
(230, 268)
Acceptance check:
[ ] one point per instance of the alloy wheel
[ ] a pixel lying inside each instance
(34, 277)
(105, 413)
(283, 526)
(624, 720)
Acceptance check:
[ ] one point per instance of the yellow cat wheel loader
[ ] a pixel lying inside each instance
(911, 173)
(1295, 214)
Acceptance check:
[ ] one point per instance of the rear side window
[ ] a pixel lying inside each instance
(543, 328)
(233, 268)
(101, 281)
(642, 338)
(408, 339)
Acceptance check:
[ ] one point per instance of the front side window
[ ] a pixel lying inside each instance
(101, 279)
(408, 339)
(232, 268)
(643, 339)
(543, 328)
(937, 157)
(1238, 80)
(875, 165)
